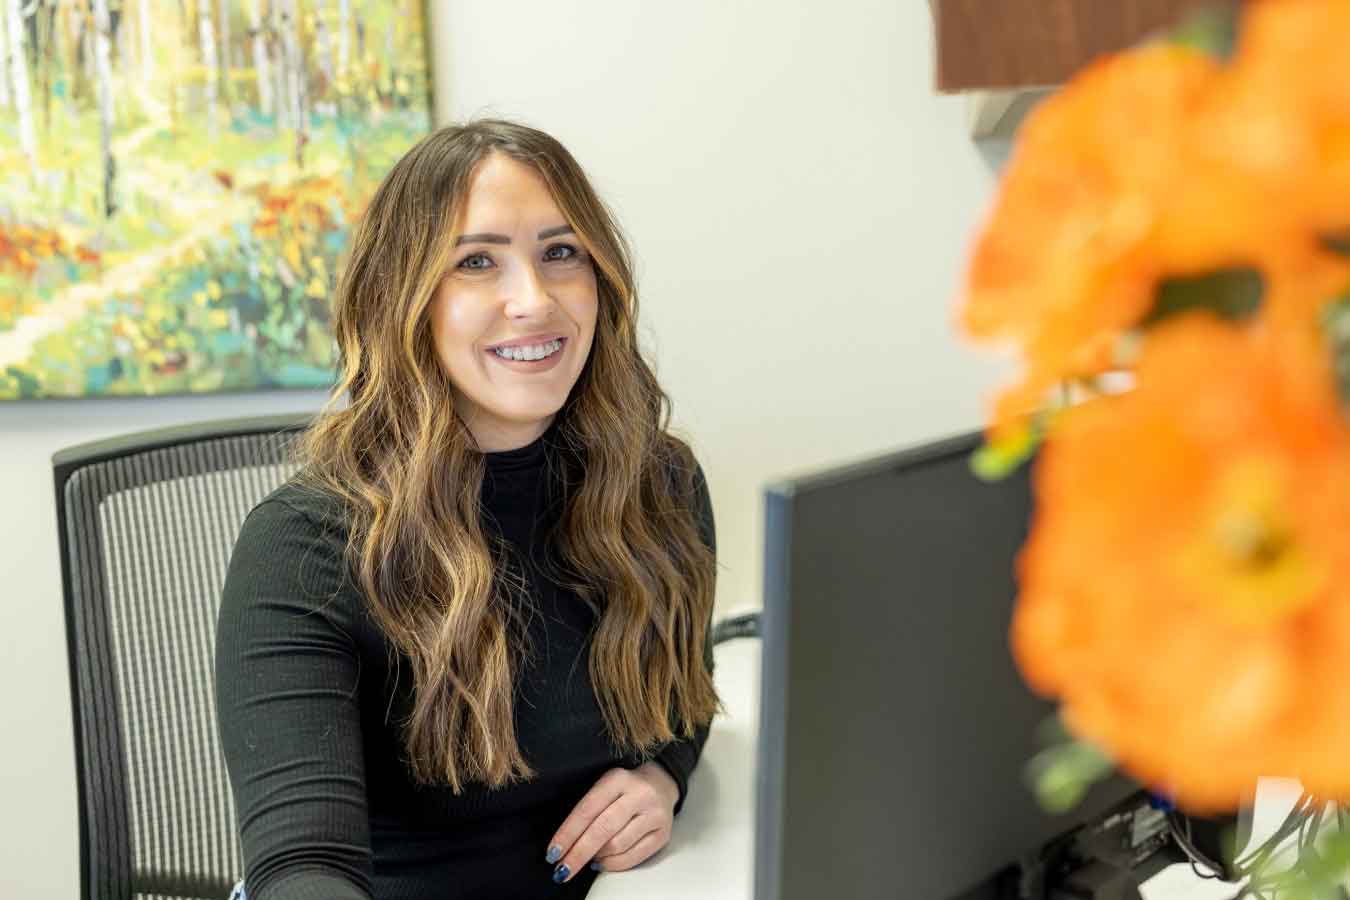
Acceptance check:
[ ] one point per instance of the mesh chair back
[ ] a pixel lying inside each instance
(147, 524)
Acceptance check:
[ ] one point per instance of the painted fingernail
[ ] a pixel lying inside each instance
(554, 854)
(596, 867)
(560, 874)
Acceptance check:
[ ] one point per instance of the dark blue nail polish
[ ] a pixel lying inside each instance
(560, 874)
(596, 867)
(554, 854)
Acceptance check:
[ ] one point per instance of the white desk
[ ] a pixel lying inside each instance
(711, 853)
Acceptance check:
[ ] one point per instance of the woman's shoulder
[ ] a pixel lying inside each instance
(287, 571)
(303, 499)
(676, 457)
(293, 542)
(688, 482)
(298, 509)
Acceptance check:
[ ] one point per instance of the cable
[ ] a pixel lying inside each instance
(1196, 857)
(742, 626)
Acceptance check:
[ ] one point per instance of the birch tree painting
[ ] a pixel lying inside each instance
(179, 180)
(17, 69)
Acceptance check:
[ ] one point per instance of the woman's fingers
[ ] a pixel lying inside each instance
(625, 818)
(637, 828)
(647, 847)
(597, 834)
(600, 797)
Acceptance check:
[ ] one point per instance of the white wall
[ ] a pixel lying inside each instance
(799, 202)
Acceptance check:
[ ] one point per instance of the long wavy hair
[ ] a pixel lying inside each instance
(409, 474)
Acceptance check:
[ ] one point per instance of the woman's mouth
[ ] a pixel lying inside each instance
(531, 357)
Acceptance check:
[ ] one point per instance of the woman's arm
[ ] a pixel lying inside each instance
(288, 712)
(680, 757)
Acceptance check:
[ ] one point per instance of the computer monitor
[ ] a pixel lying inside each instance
(895, 731)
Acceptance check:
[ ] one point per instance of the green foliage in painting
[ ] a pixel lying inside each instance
(179, 182)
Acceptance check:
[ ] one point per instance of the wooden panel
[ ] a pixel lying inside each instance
(1019, 43)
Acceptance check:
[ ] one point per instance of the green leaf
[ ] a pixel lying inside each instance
(1211, 29)
(1232, 294)
(996, 461)
(1062, 774)
(1318, 874)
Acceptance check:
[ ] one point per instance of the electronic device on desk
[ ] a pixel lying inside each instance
(1108, 857)
(895, 730)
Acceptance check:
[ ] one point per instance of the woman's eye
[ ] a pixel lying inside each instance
(481, 262)
(467, 262)
(569, 254)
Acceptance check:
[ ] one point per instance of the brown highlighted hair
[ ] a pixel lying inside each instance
(410, 474)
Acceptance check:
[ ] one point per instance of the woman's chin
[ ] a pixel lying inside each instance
(522, 420)
(536, 409)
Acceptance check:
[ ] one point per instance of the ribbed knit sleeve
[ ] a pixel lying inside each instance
(680, 757)
(287, 705)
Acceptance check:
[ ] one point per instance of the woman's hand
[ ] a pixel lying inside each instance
(621, 822)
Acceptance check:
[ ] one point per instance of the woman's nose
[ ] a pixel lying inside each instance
(527, 295)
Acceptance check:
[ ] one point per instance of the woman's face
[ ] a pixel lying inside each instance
(514, 318)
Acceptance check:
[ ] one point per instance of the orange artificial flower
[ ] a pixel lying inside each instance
(1185, 590)
(1068, 261)
(1268, 160)
(1291, 101)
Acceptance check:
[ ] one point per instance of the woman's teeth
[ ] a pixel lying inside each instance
(526, 354)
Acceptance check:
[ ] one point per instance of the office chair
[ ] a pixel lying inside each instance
(147, 523)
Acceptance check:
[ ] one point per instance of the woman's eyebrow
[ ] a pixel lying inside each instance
(488, 238)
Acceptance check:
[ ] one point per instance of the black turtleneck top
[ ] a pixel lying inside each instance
(309, 698)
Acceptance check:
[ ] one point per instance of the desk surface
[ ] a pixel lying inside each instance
(711, 853)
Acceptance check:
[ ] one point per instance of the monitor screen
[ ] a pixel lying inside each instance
(895, 730)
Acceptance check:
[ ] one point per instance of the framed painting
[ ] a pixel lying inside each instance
(179, 180)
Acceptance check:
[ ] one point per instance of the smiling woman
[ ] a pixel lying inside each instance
(514, 318)
(465, 653)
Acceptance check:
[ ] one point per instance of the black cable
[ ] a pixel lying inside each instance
(742, 626)
(1208, 876)
(1182, 837)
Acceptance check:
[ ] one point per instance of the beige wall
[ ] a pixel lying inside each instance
(798, 200)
